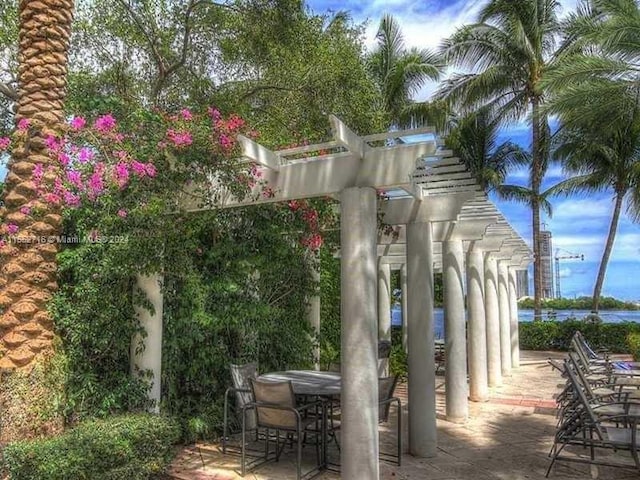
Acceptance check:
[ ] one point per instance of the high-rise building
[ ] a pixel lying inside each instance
(546, 263)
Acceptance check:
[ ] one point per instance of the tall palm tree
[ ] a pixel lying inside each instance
(604, 161)
(504, 56)
(474, 139)
(28, 274)
(596, 85)
(400, 72)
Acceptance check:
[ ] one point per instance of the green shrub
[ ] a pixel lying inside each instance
(398, 362)
(633, 344)
(128, 447)
(556, 335)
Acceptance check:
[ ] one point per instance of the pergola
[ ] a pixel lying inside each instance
(447, 223)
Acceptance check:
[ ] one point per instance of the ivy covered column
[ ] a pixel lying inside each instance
(146, 351)
(359, 334)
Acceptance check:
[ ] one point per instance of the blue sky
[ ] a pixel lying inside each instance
(580, 223)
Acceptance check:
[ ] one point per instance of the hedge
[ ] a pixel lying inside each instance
(556, 335)
(128, 447)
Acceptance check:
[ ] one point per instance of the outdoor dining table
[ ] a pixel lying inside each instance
(308, 382)
(325, 385)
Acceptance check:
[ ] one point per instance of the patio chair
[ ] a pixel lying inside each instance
(386, 387)
(582, 426)
(240, 376)
(276, 409)
(384, 352)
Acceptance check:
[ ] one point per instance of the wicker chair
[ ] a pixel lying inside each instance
(276, 409)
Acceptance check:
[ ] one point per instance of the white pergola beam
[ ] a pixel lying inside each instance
(259, 154)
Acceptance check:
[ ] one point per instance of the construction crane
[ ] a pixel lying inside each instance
(563, 255)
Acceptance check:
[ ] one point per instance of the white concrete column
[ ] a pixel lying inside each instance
(422, 377)
(384, 312)
(313, 310)
(505, 318)
(457, 407)
(513, 317)
(405, 316)
(478, 386)
(146, 351)
(492, 313)
(359, 400)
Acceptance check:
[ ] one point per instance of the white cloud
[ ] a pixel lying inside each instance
(581, 208)
(565, 272)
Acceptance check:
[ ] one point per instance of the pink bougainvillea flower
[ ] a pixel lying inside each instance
(38, 171)
(225, 141)
(64, 159)
(71, 199)
(78, 123)
(268, 192)
(122, 213)
(105, 123)
(179, 138)
(25, 210)
(186, 114)
(96, 185)
(52, 143)
(23, 124)
(294, 205)
(138, 168)
(150, 168)
(4, 143)
(3, 243)
(74, 177)
(214, 113)
(118, 137)
(85, 154)
(12, 228)
(121, 173)
(52, 198)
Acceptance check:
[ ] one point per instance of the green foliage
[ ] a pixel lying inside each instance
(32, 401)
(553, 335)
(330, 323)
(581, 303)
(633, 344)
(398, 361)
(120, 448)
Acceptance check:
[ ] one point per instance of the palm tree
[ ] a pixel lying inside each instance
(596, 85)
(474, 139)
(609, 161)
(28, 275)
(400, 72)
(504, 56)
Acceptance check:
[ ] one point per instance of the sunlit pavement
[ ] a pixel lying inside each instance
(506, 438)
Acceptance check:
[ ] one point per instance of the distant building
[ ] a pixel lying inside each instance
(522, 283)
(546, 263)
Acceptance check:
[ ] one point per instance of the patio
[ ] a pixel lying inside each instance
(507, 437)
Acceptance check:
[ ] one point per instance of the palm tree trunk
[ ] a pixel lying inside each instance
(613, 228)
(536, 181)
(28, 277)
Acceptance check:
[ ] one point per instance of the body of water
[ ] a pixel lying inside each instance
(608, 316)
